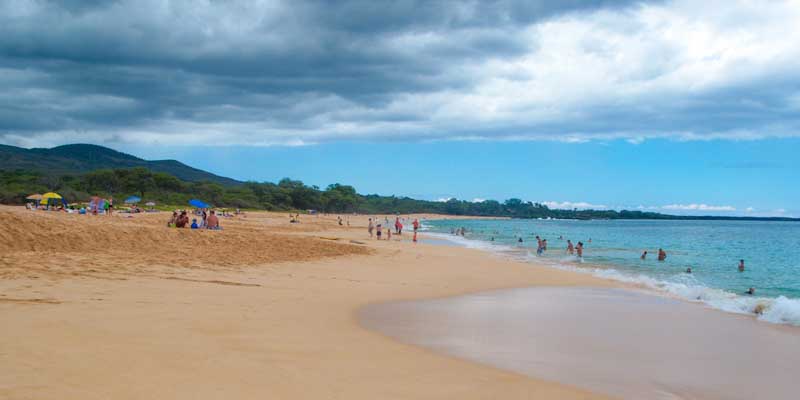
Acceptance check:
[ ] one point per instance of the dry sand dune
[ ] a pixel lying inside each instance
(53, 245)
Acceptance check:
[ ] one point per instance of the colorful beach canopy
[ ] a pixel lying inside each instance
(35, 196)
(133, 200)
(198, 203)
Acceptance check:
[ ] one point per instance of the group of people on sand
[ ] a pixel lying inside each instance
(374, 226)
(209, 220)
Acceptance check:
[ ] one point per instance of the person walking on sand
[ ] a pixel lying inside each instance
(662, 255)
(741, 265)
(371, 227)
(570, 247)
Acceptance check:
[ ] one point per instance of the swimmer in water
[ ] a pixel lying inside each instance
(662, 255)
(741, 265)
(570, 247)
(750, 291)
(519, 240)
(689, 270)
(644, 255)
(579, 249)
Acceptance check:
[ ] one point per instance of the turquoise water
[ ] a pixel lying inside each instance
(712, 249)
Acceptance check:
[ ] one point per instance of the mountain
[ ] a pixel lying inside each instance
(80, 158)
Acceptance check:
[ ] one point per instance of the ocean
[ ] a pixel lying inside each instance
(612, 249)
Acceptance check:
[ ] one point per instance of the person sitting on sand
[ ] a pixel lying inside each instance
(741, 265)
(662, 255)
(644, 255)
(194, 224)
(570, 247)
(182, 220)
(172, 221)
(212, 222)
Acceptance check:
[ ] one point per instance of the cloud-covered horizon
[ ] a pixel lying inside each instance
(294, 73)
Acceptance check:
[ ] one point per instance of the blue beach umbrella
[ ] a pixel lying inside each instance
(198, 204)
(133, 200)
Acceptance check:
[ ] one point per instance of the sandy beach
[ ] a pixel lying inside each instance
(126, 308)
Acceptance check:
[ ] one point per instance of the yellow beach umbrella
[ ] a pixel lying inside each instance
(50, 195)
(35, 196)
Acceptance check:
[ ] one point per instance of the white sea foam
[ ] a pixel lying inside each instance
(780, 310)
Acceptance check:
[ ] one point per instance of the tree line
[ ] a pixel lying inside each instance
(286, 195)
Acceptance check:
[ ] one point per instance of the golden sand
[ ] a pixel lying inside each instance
(126, 308)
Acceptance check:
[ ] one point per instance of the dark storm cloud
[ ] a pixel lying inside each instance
(300, 72)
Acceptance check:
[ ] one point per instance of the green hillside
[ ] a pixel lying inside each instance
(80, 158)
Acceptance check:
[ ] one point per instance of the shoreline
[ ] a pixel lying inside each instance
(243, 326)
(778, 310)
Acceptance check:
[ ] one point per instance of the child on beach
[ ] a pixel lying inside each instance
(570, 247)
(388, 233)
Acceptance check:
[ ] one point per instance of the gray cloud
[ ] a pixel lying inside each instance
(303, 72)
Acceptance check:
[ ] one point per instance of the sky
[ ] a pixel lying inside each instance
(655, 105)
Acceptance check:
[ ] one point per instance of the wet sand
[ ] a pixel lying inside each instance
(620, 342)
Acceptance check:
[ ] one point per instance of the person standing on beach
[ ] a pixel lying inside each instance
(579, 249)
(397, 225)
(570, 247)
(662, 255)
(388, 233)
(539, 248)
(378, 231)
(741, 265)
(370, 227)
(415, 224)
